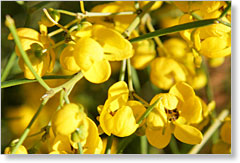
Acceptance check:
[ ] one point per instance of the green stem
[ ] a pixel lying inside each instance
(67, 87)
(225, 23)
(8, 67)
(27, 130)
(11, 25)
(130, 81)
(109, 145)
(135, 79)
(150, 108)
(225, 10)
(144, 145)
(208, 87)
(80, 150)
(173, 146)
(16, 82)
(210, 131)
(122, 70)
(137, 19)
(67, 12)
(174, 29)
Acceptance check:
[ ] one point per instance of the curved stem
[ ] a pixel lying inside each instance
(27, 130)
(8, 67)
(210, 131)
(11, 25)
(109, 145)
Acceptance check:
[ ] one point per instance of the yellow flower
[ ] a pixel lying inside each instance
(118, 22)
(118, 115)
(67, 60)
(223, 145)
(215, 47)
(21, 150)
(188, 6)
(92, 54)
(173, 114)
(38, 48)
(113, 147)
(165, 72)
(216, 62)
(54, 14)
(144, 53)
(67, 119)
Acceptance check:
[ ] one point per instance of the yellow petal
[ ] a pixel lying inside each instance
(191, 110)
(118, 89)
(87, 51)
(27, 37)
(67, 119)
(176, 47)
(187, 134)
(221, 148)
(21, 150)
(124, 122)
(93, 139)
(225, 132)
(144, 53)
(99, 72)
(67, 59)
(106, 121)
(213, 47)
(158, 138)
(156, 119)
(115, 46)
(182, 91)
(61, 143)
(165, 72)
(137, 108)
(40, 65)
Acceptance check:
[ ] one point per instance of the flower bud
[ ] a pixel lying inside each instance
(55, 15)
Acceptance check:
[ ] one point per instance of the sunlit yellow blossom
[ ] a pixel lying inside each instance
(172, 115)
(165, 72)
(67, 60)
(223, 145)
(92, 54)
(216, 62)
(118, 22)
(118, 115)
(21, 150)
(144, 53)
(38, 48)
(213, 47)
(67, 119)
(188, 6)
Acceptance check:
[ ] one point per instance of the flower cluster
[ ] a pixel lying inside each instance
(171, 72)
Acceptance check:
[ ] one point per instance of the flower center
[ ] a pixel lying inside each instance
(172, 115)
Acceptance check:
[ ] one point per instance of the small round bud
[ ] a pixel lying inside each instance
(55, 15)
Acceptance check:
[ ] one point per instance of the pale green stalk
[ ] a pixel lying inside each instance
(11, 25)
(8, 67)
(218, 121)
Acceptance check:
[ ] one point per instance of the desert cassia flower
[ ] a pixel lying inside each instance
(21, 150)
(223, 145)
(173, 115)
(95, 47)
(38, 48)
(165, 72)
(67, 119)
(118, 116)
